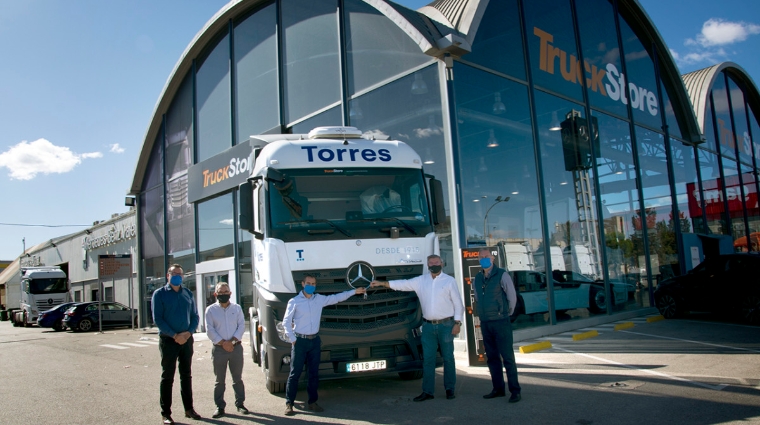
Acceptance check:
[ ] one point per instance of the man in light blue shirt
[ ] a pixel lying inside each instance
(302, 317)
(225, 325)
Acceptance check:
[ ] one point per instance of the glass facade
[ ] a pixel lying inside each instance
(557, 135)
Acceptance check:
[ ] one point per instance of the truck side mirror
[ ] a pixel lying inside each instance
(436, 200)
(245, 217)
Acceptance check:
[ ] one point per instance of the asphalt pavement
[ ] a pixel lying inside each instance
(697, 370)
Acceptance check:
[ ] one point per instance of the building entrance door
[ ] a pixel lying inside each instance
(210, 280)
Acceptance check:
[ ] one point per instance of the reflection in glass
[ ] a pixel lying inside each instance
(741, 130)
(642, 87)
(215, 228)
(724, 131)
(734, 198)
(498, 42)
(687, 187)
(715, 213)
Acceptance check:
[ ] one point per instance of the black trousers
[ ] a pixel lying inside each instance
(171, 353)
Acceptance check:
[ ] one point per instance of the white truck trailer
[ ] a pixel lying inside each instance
(40, 289)
(346, 210)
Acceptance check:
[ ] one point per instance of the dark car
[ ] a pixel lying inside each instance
(84, 316)
(53, 318)
(724, 284)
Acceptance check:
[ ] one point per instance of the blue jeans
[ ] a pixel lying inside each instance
(305, 351)
(434, 336)
(497, 337)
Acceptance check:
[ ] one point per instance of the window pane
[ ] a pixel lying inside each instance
(215, 228)
(741, 131)
(596, 23)
(498, 42)
(497, 161)
(658, 206)
(755, 138)
(155, 163)
(257, 97)
(376, 48)
(715, 218)
(213, 97)
(734, 197)
(618, 184)
(152, 223)
(641, 82)
(311, 62)
(332, 116)
(687, 187)
(551, 41)
(722, 118)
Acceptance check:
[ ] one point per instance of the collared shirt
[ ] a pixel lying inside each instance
(507, 286)
(303, 314)
(174, 311)
(223, 324)
(439, 297)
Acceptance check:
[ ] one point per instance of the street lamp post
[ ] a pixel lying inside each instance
(485, 219)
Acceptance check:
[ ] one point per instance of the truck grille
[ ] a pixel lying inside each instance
(382, 308)
(43, 305)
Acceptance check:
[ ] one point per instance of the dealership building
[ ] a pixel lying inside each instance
(563, 133)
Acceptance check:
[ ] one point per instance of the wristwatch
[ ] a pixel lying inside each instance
(458, 322)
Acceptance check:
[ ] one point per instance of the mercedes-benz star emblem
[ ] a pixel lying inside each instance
(358, 273)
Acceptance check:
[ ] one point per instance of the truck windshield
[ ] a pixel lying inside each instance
(330, 204)
(48, 286)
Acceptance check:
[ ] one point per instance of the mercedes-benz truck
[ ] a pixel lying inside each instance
(41, 288)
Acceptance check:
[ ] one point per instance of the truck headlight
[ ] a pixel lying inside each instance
(281, 331)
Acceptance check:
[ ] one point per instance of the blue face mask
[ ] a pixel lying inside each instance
(176, 280)
(485, 263)
(309, 289)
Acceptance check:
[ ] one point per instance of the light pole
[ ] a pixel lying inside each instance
(485, 219)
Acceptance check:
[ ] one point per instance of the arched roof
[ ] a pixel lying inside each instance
(699, 84)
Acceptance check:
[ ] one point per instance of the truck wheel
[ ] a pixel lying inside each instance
(26, 321)
(14, 320)
(597, 302)
(410, 375)
(275, 387)
(252, 333)
(58, 325)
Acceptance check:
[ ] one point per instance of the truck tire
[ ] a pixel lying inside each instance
(272, 387)
(14, 319)
(597, 302)
(253, 330)
(26, 321)
(410, 375)
(275, 387)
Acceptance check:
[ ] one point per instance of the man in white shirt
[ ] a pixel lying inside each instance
(442, 311)
(225, 325)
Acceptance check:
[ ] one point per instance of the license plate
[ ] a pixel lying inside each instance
(361, 367)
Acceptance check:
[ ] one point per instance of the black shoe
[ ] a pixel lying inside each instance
(514, 398)
(424, 396)
(495, 393)
(243, 410)
(167, 420)
(218, 413)
(450, 395)
(316, 408)
(192, 414)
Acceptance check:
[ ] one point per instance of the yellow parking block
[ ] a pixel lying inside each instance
(543, 345)
(655, 319)
(585, 335)
(626, 325)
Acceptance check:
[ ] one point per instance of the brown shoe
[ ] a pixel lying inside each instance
(289, 410)
(316, 408)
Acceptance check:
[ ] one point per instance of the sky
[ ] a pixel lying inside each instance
(79, 80)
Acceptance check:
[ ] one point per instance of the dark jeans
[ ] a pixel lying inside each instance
(497, 337)
(222, 359)
(434, 336)
(171, 352)
(305, 351)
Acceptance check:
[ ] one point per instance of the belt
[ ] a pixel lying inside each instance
(438, 322)
(307, 336)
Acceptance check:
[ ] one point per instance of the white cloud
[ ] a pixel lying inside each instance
(718, 32)
(25, 160)
(423, 133)
(226, 222)
(115, 148)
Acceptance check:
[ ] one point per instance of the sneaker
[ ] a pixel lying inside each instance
(316, 408)
(514, 398)
(218, 413)
(289, 410)
(450, 395)
(167, 419)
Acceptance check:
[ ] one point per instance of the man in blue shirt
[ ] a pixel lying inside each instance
(225, 325)
(176, 315)
(302, 317)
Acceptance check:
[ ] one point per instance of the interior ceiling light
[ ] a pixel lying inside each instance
(555, 125)
(492, 140)
(498, 105)
(419, 86)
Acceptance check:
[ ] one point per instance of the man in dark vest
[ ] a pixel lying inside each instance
(496, 301)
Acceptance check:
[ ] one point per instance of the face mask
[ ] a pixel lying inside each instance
(309, 289)
(176, 280)
(485, 263)
(223, 298)
(435, 269)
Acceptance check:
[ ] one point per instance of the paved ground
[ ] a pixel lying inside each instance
(695, 371)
